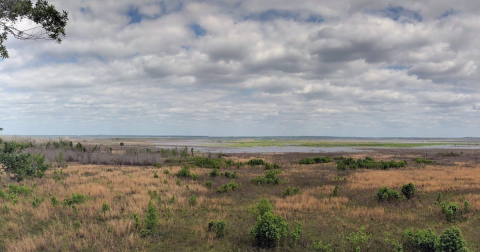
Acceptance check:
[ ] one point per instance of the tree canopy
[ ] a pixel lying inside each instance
(50, 23)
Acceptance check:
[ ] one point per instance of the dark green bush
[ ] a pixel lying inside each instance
(423, 161)
(291, 191)
(231, 175)
(214, 173)
(451, 240)
(450, 210)
(419, 240)
(76, 198)
(384, 193)
(151, 221)
(218, 227)
(272, 166)
(306, 161)
(208, 184)
(408, 190)
(263, 207)
(15, 161)
(206, 162)
(269, 230)
(253, 162)
(19, 190)
(270, 178)
(184, 172)
(229, 186)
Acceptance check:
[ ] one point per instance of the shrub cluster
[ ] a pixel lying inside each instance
(185, 173)
(272, 166)
(450, 209)
(315, 160)
(270, 178)
(232, 175)
(427, 240)
(423, 161)
(369, 163)
(218, 227)
(408, 190)
(291, 191)
(206, 162)
(229, 186)
(76, 198)
(385, 193)
(253, 162)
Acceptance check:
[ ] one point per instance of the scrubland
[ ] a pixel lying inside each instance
(338, 209)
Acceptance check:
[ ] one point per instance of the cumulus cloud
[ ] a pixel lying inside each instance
(345, 68)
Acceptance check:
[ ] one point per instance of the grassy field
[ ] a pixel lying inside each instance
(32, 221)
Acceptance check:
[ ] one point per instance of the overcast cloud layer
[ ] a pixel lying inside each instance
(339, 68)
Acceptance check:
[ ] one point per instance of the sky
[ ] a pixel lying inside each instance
(359, 68)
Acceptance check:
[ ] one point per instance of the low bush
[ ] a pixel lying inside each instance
(263, 207)
(451, 240)
(291, 191)
(229, 186)
(385, 193)
(270, 178)
(423, 161)
(76, 198)
(218, 227)
(315, 160)
(214, 173)
(253, 162)
(206, 162)
(419, 240)
(369, 163)
(269, 230)
(232, 175)
(151, 221)
(272, 166)
(450, 210)
(408, 190)
(19, 190)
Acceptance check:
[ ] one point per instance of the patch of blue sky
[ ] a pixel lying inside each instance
(135, 16)
(398, 13)
(198, 30)
(273, 14)
(447, 13)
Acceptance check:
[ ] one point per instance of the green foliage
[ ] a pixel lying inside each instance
(263, 207)
(218, 227)
(166, 171)
(61, 163)
(3, 195)
(54, 201)
(359, 240)
(208, 184)
(269, 230)
(318, 246)
(214, 173)
(450, 210)
(229, 186)
(43, 14)
(423, 161)
(296, 232)
(19, 190)
(270, 178)
(272, 166)
(335, 191)
(369, 163)
(384, 193)
(184, 172)
(315, 160)
(76, 198)
(151, 221)
(37, 201)
(408, 190)
(206, 162)
(253, 162)
(155, 175)
(451, 240)
(232, 175)
(419, 240)
(105, 208)
(291, 191)
(193, 200)
(22, 164)
(136, 220)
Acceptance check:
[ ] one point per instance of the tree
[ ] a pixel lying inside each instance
(15, 161)
(50, 23)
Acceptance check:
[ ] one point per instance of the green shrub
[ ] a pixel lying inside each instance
(218, 227)
(423, 161)
(184, 172)
(19, 190)
(155, 175)
(272, 166)
(208, 184)
(229, 186)
(15, 161)
(291, 191)
(76, 198)
(136, 220)
(214, 173)
(158, 165)
(385, 193)
(318, 246)
(315, 160)
(296, 232)
(306, 161)
(232, 175)
(359, 240)
(193, 200)
(269, 230)
(263, 207)
(450, 210)
(341, 166)
(408, 190)
(419, 240)
(151, 221)
(166, 171)
(254, 162)
(3, 195)
(105, 208)
(37, 201)
(451, 240)
(270, 178)
(335, 191)
(206, 162)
